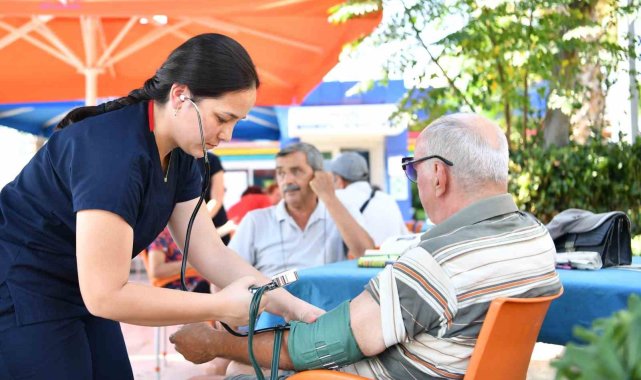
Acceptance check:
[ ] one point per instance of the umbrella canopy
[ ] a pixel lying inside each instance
(72, 49)
(41, 118)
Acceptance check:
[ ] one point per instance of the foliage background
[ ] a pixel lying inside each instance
(595, 176)
(540, 68)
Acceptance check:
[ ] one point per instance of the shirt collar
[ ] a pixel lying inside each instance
(476, 212)
(150, 115)
(362, 186)
(318, 213)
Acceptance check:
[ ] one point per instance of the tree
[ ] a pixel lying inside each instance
(502, 57)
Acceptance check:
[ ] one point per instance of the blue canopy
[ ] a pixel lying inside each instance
(41, 118)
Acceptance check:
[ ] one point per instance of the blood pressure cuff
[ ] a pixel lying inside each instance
(326, 343)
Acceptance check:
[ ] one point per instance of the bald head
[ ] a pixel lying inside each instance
(476, 146)
(479, 125)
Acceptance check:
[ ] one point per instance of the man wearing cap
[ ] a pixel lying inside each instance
(308, 226)
(383, 218)
(420, 318)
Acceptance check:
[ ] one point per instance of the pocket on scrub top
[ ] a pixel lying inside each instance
(7, 308)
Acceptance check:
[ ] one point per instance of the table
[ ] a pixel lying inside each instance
(587, 294)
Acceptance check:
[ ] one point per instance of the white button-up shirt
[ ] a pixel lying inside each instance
(272, 242)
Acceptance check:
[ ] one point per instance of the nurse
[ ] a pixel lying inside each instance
(99, 192)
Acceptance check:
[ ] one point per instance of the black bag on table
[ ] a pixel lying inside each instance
(606, 233)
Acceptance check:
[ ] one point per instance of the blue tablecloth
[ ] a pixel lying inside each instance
(587, 294)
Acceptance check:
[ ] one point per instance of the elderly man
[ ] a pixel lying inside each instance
(308, 226)
(420, 318)
(383, 218)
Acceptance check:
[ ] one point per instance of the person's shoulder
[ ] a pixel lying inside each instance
(114, 130)
(385, 198)
(213, 159)
(112, 121)
(117, 138)
(342, 194)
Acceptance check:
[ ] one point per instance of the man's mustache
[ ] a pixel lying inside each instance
(291, 187)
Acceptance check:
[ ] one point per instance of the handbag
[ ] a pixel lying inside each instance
(606, 233)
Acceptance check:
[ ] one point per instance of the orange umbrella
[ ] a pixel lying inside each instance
(66, 49)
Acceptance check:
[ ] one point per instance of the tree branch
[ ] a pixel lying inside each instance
(435, 60)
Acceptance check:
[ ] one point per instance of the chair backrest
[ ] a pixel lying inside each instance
(162, 281)
(507, 337)
(324, 374)
(414, 226)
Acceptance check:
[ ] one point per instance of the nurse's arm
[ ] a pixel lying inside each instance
(221, 265)
(103, 249)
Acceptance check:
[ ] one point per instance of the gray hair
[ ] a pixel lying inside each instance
(476, 160)
(314, 156)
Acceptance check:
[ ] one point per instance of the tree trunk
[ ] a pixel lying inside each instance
(556, 128)
(590, 115)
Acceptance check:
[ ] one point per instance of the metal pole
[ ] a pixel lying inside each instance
(89, 35)
(91, 87)
(634, 89)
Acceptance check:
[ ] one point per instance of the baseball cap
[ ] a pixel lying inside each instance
(351, 166)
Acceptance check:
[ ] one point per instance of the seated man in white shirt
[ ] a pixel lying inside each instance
(383, 218)
(308, 226)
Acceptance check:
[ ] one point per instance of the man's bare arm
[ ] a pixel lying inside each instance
(354, 235)
(200, 343)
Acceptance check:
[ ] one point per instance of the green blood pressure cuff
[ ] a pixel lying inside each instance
(326, 343)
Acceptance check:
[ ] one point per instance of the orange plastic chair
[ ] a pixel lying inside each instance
(505, 343)
(414, 226)
(162, 281)
(324, 374)
(503, 348)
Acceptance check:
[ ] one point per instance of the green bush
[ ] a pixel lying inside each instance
(597, 176)
(612, 349)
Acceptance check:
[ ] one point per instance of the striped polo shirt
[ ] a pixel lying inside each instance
(434, 299)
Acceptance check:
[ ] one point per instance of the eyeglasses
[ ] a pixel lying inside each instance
(407, 163)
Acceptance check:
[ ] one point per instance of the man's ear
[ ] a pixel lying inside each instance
(440, 179)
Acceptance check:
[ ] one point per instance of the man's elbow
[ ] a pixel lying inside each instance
(359, 250)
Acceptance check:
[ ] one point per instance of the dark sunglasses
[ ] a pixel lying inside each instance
(407, 163)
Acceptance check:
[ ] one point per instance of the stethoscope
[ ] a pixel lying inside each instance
(205, 186)
(257, 291)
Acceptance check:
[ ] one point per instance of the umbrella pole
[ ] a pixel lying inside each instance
(91, 87)
(89, 28)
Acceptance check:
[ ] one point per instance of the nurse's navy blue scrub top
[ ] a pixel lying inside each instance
(108, 162)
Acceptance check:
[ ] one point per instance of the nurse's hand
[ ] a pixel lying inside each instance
(291, 308)
(235, 300)
(304, 312)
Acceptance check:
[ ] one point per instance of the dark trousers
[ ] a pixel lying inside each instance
(79, 348)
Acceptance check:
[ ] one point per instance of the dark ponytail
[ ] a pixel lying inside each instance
(210, 65)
